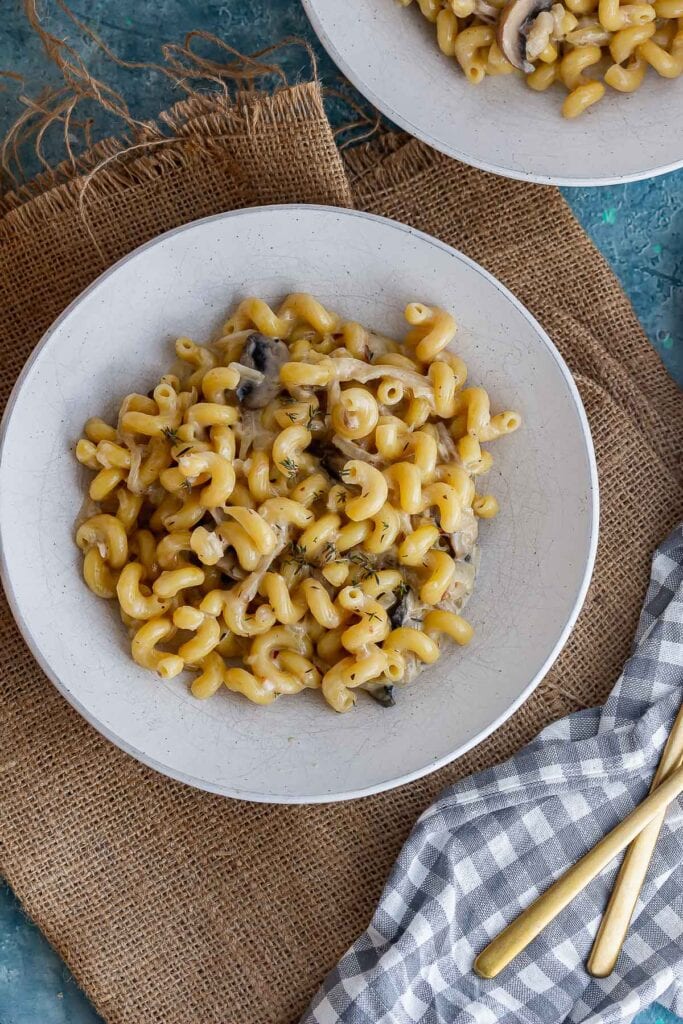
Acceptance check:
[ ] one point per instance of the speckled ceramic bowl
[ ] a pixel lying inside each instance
(390, 55)
(537, 556)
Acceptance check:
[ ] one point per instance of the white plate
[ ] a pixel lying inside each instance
(536, 558)
(390, 55)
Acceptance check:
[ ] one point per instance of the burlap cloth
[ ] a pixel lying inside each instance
(170, 905)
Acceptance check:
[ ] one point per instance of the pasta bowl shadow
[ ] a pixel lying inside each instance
(536, 556)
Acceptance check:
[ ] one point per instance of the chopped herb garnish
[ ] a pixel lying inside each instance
(293, 416)
(170, 434)
(359, 559)
(368, 570)
(290, 468)
(297, 555)
(329, 553)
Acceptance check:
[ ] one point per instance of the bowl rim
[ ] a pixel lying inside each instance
(385, 107)
(432, 766)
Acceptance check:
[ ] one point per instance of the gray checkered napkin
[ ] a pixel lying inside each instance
(493, 842)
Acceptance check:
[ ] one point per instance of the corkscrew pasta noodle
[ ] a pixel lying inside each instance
(294, 506)
(585, 46)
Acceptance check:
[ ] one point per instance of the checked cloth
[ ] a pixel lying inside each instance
(493, 842)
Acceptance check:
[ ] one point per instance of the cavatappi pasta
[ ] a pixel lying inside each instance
(585, 46)
(295, 506)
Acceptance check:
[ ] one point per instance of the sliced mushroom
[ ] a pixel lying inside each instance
(515, 23)
(382, 693)
(399, 613)
(404, 608)
(267, 356)
(329, 457)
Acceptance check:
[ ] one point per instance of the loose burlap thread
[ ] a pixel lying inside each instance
(176, 906)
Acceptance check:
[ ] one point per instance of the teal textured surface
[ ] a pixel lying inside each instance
(638, 227)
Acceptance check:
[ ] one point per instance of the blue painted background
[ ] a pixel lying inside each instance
(638, 227)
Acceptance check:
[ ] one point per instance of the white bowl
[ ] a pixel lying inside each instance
(390, 55)
(537, 556)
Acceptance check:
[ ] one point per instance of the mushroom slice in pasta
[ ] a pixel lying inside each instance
(383, 693)
(515, 23)
(266, 356)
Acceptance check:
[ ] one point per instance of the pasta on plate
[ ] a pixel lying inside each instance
(295, 506)
(584, 45)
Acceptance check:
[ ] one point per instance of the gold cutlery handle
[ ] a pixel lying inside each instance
(517, 936)
(629, 882)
